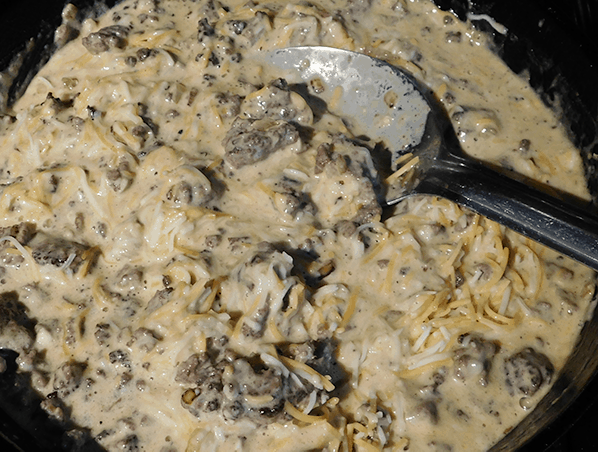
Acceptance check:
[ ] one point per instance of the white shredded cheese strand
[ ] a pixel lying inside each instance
(68, 262)
(28, 257)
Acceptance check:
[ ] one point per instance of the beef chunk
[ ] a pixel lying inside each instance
(190, 371)
(527, 371)
(212, 241)
(301, 352)
(210, 10)
(56, 251)
(160, 298)
(68, 377)
(236, 26)
(191, 187)
(291, 200)
(291, 203)
(121, 177)
(250, 30)
(346, 157)
(145, 53)
(120, 358)
(208, 394)
(249, 142)
(102, 333)
(112, 37)
(207, 376)
(228, 105)
(204, 29)
(273, 101)
(22, 232)
(128, 444)
(474, 358)
(55, 408)
(225, 385)
(182, 194)
(260, 381)
(324, 156)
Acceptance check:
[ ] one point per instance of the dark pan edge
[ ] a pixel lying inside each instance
(553, 74)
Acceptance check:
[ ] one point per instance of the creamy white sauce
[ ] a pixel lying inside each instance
(134, 143)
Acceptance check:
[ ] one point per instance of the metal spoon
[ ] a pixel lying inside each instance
(388, 104)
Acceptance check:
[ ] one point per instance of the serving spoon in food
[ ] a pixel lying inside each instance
(388, 104)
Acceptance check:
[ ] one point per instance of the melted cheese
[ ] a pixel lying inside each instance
(224, 216)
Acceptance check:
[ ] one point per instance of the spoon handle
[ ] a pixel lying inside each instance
(532, 213)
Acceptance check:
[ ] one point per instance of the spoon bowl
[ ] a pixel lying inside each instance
(387, 104)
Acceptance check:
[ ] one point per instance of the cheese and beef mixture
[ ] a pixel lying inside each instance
(194, 257)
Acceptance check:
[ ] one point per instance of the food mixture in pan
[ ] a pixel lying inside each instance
(193, 255)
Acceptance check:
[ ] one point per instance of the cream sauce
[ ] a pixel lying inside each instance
(223, 278)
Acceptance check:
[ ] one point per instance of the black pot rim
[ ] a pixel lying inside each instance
(555, 42)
